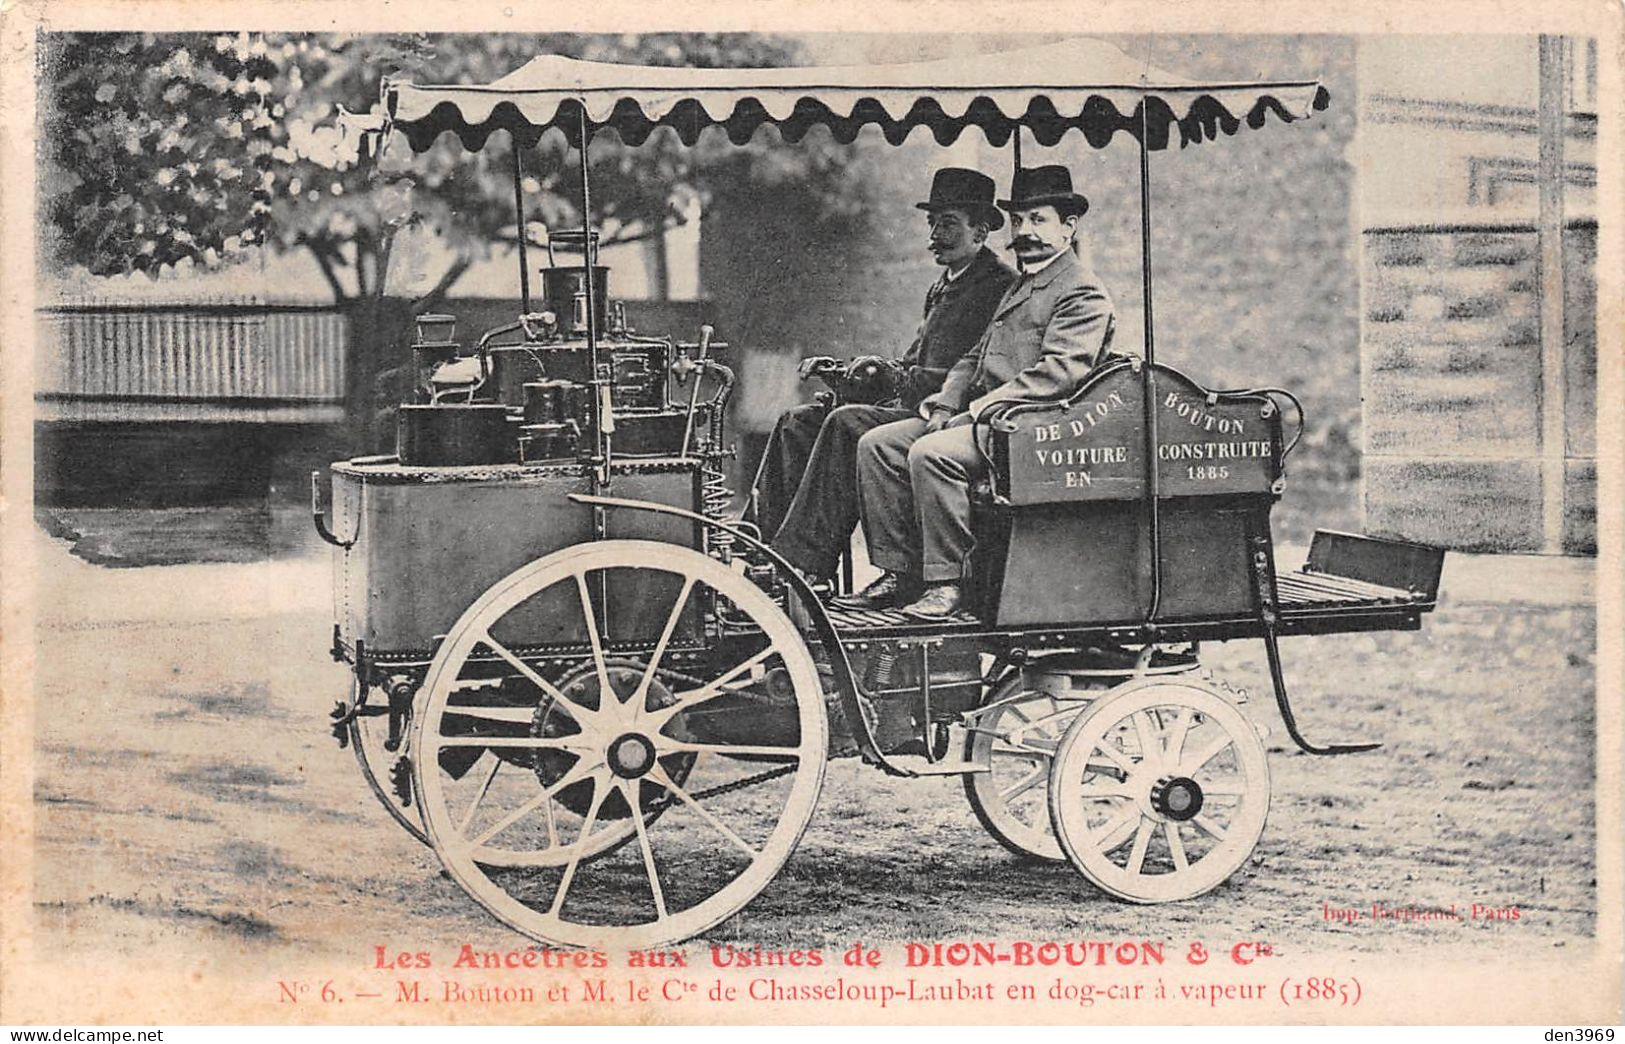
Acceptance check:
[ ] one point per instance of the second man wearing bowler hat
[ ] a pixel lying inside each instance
(1051, 328)
(810, 504)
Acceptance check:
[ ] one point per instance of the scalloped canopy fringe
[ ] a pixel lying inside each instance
(1088, 85)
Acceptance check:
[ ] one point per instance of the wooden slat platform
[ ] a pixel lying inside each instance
(1310, 603)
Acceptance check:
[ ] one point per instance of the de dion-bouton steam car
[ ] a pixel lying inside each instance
(608, 706)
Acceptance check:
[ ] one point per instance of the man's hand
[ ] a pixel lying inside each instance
(939, 419)
(817, 364)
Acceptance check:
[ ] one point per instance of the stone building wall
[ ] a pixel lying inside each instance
(1463, 404)
(1452, 386)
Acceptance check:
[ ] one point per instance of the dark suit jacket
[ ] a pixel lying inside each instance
(955, 316)
(1048, 331)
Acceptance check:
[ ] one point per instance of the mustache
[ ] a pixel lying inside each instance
(1025, 241)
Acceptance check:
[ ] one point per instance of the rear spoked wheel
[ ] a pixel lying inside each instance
(1016, 737)
(648, 789)
(368, 737)
(1159, 791)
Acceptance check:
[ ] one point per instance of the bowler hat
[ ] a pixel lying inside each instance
(965, 189)
(1036, 186)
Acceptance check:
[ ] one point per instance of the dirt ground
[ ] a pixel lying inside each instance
(190, 802)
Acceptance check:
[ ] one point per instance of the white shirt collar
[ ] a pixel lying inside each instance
(948, 275)
(1035, 269)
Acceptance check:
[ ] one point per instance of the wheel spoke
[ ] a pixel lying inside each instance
(632, 790)
(640, 696)
(1107, 837)
(574, 743)
(1211, 828)
(514, 715)
(473, 806)
(552, 821)
(1174, 738)
(576, 773)
(548, 688)
(658, 775)
(1193, 764)
(599, 792)
(1225, 788)
(605, 692)
(1041, 745)
(1144, 731)
(1024, 784)
(1115, 754)
(1142, 841)
(694, 697)
(1176, 846)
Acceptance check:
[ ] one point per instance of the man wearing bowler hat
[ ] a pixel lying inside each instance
(1049, 330)
(810, 500)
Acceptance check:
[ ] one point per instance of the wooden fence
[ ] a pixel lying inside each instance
(214, 361)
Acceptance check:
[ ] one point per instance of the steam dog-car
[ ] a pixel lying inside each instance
(608, 707)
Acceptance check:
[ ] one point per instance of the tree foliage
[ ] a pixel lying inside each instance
(201, 147)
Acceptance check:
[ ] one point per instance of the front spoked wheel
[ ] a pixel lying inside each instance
(1159, 791)
(641, 791)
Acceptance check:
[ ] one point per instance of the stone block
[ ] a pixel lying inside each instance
(1478, 306)
(1513, 333)
(1493, 248)
(1580, 507)
(1467, 505)
(1403, 247)
(1474, 414)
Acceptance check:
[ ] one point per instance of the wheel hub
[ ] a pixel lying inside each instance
(627, 754)
(631, 755)
(1177, 797)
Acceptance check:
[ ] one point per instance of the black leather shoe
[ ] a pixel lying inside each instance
(884, 593)
(939, 602)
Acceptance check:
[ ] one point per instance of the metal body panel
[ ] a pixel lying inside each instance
(1089, 563)
(1093, 446)
(1070, 541)
(427, 542)
(1389, 563)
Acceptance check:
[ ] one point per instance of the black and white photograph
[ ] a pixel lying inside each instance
(924, 519)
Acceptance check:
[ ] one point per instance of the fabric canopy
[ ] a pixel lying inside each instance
(1087, 84)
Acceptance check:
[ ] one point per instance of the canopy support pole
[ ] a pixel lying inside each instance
(603, 417)
(519, 211)
(1015, 152)
(1148, 372)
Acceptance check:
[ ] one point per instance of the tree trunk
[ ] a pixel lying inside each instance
(431, 300)
(323, 253)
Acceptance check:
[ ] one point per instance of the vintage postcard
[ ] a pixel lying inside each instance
(918, 513)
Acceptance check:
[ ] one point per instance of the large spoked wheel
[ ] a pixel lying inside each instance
(1159, 791)
(619, 800)
(368, 735)
(1016, 737)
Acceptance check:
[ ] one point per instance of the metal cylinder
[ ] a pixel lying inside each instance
(565, 288)
(455, 435)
